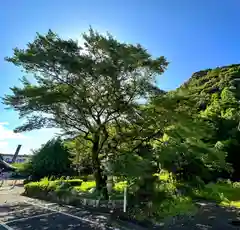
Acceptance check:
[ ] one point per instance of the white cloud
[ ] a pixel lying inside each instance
(4, 147)
(6, 134)
(3, 144)
(30, 140)
(4, 123)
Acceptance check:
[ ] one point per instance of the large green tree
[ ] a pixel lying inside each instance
(83, 88)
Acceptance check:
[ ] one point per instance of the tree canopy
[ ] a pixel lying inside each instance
(95, 83)
(94, 93)
(83, 89)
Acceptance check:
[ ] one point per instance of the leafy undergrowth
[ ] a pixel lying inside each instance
(85, 186)
(224, 193)
(171, 207)
(177, 206)
(170, 203)
(85, 190)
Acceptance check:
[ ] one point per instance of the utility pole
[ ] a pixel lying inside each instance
(16, 153)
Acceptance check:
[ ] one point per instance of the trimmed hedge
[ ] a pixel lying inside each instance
(73, 192)
(63, 186)
(45, 186)
(74, 182)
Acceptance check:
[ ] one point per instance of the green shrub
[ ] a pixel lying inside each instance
(231, 191)
(45, 185)
(24, 169)
(220, 192)
(51, 160)
(74, 182)
(208, 194)
(164, 209)
(119, 187)
(179, 205)
(167, 187)
(37, 188)
(85, 186)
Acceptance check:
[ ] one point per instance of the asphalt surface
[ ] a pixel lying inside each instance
(18, 212)
(30, 215)
(23, 213)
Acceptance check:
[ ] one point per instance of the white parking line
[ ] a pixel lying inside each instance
(30, 217)
(64, 213)
(5, 226)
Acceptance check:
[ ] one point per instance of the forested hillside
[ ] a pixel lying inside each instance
(216, 94)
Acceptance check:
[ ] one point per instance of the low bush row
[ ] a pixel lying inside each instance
(82, 188)
(46, 186)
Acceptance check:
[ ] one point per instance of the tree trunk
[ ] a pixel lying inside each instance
(101, 184)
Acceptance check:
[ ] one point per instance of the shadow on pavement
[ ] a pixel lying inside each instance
(22, 215)
(210, 216)
(26, 216)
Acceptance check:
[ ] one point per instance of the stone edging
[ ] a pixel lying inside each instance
(76, 199)
(102, 203)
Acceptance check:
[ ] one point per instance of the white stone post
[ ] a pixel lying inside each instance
(125, 200)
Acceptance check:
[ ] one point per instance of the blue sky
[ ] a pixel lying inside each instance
(193, 35)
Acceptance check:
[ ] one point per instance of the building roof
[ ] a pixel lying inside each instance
(6, 167)
(10, 154)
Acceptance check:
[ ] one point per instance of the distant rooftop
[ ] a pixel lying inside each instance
(10, 154)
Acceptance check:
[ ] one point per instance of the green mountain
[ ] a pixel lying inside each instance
(216, 95)
(204, 83)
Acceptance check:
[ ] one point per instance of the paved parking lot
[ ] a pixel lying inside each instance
(29, 215)
(18, 212)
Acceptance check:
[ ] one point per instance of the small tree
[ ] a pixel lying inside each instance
(83, 89)
(81, 151)
(52, 159)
